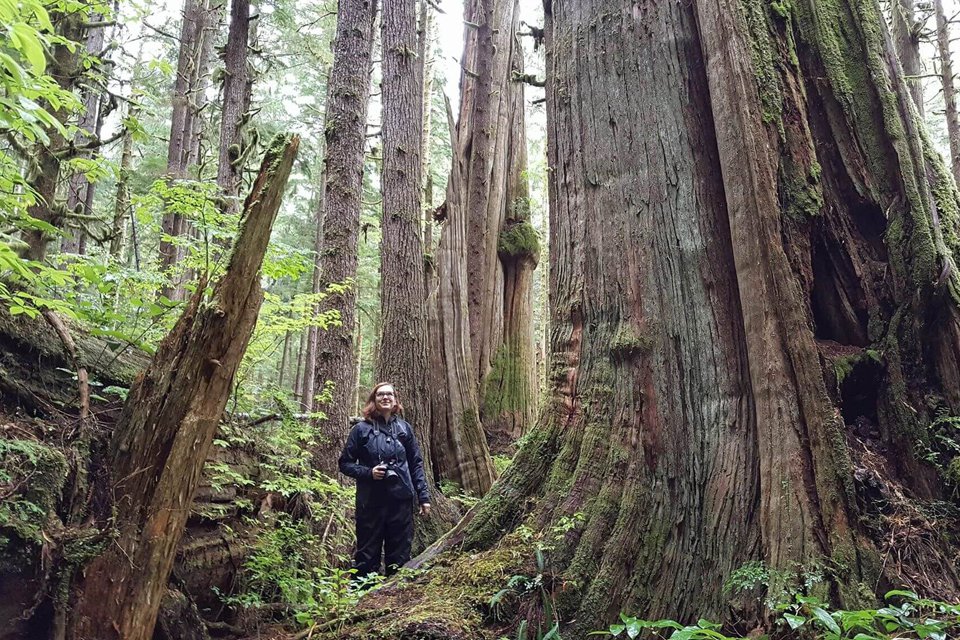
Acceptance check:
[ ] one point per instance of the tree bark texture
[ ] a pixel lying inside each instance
(167, 426)
(510, 388)
(949, 88)
(237, 85)
(197, 32)
(80, 191)
(402, 351)
(460, 450)
(906, 39)
(344, 129)
(488, 126)
(122, 208)
(44, 177)
(742, 205)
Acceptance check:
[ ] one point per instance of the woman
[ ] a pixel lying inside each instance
(382, 455)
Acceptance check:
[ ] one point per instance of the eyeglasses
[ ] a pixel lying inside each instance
(384, 394)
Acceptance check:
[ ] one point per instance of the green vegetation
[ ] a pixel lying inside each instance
(905, 617)
(32, 475)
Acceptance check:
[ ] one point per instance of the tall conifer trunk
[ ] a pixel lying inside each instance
(200, 20)
(237, 86)
(402, 351)
(346, 121)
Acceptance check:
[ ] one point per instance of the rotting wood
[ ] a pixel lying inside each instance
(167, 427)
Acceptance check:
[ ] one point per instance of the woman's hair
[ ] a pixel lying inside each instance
(370, 408)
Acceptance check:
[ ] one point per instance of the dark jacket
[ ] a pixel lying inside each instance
(373, 441)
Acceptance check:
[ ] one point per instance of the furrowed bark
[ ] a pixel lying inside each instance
(460, 450)
(402, 351)
(237, 85)
(754, 324)
(200, 18)
(345, 126)
(167, 426)
(948, 86)
(510, 387)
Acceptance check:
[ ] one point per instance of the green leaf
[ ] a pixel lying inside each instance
(909, 595)
(826, 620)
(24, 38)
(794, 621)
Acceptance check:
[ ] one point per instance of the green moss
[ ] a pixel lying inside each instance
(764, 57)
(506, 388)
(629, 343)
(35, 474)
(801, 193)
(519, 240)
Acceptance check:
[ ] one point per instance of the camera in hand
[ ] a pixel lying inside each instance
(391, 472)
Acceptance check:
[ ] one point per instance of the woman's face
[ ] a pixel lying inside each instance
(385, 399)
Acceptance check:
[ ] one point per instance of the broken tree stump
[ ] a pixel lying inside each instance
(167, 426)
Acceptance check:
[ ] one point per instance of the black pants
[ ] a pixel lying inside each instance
(383, 528)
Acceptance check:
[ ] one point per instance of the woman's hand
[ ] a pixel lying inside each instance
(425, 509)
(379, 471)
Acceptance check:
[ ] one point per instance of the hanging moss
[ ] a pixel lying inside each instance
(519, 240)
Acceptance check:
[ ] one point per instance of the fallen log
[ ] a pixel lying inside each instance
(165, 432)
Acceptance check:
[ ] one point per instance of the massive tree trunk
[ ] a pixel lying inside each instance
(165, 432)
(344, 129)
(492, 159)
(754, 315)
(196, 44)
(460, 450)
(402, 353)
(948, 86)
(510, 387)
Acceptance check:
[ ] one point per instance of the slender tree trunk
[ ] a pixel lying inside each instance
(80, 191)
(122, 208)
(298, 377)
(345, 126)
(949, 89)
(284, 361)
(425, 54)
(193, 61)
(64, 68)
(308, 381)
(237, 86)
(165, 432)
(733, 221)
(906, 38)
